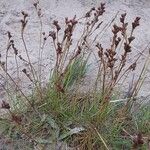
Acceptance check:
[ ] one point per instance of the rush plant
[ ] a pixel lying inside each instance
(62, 112)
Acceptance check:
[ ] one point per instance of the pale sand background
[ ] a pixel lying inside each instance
(58, 9)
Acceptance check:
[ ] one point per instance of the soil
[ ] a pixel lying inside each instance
(10, 16)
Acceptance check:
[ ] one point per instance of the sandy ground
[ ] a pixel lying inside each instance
(59, 9)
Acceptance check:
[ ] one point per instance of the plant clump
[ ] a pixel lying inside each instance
(60, 113)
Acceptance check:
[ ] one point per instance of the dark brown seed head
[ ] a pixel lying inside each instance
(106, 54)
(15, 51)
(39, 12)
(60, 88)
(22, 21)
(103, 5)
(93, 8)
(35, 5)
(74, 22)
(88, 14)
(133, 66)
(59, 48)
(9, 35)
(24, 14)
(100, 54)
(55, 23)
(24, 71)
(130, 39)
(116, 29)
(122, 18)
(11, 41)
(117, 41)
(99, 46)
(66, 20)
(5, 105)
(127, 47)
(101, 9)
(53, 35)
(136, 22)
(110, 64)
(16, 119)
(2, 63)
(138, 141)
(79, 50)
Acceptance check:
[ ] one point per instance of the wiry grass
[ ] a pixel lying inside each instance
(61, 112)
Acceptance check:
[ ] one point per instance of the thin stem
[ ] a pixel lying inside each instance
(101, 138)
(26, 49)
